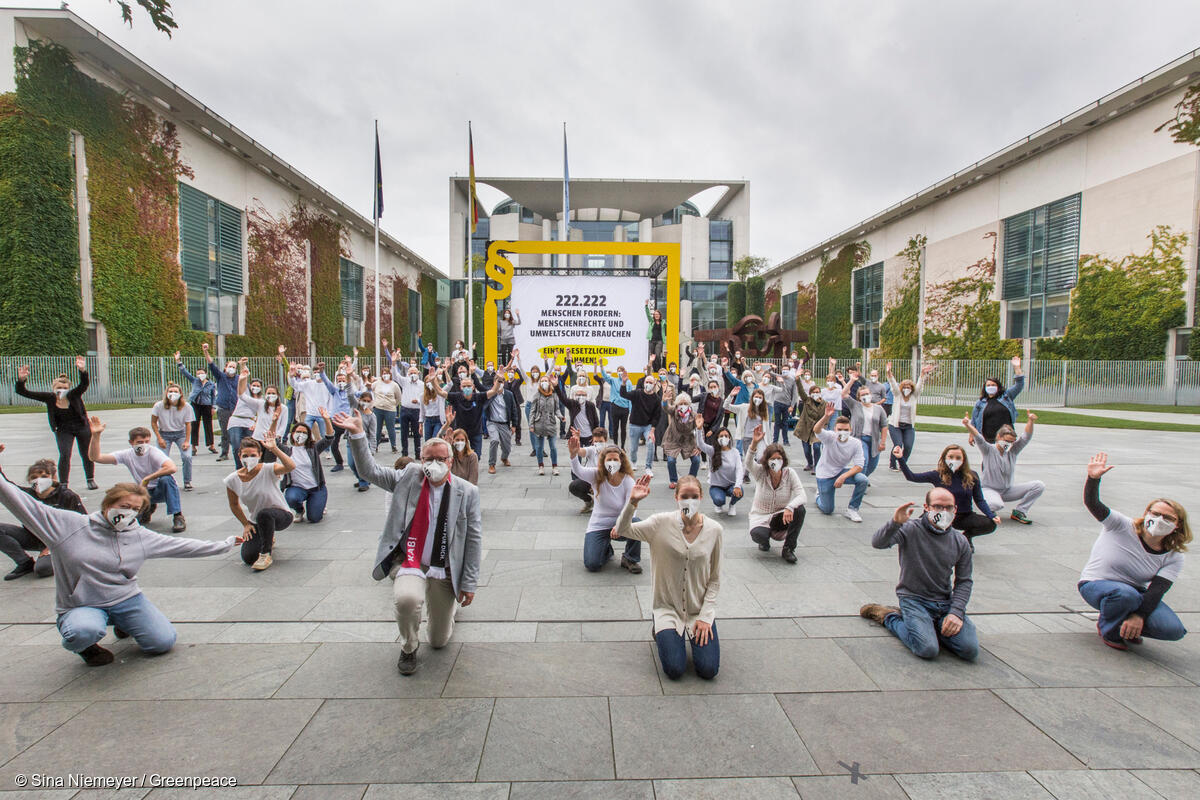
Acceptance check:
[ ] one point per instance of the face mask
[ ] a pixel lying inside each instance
(830, 384)
(1155, 525)
(612, 466)
(685, 412)
(461, 374)
(807, 377)
(230, 371)
(201, 375)
(906, 391)
(534, 374)
(662, 376)
(468, 391)
(940, 519)
(491, 367)
(544, 386)
(141, 449)
(42, 484)
(249, 462)
(714, 389)
(991, 390)
(758, 401)
(508, 376)
(712, 372)
(366, 373)
(435, 471)
(1002, 446)
(874, 376)
(429, 385)
(255, 389)
(672, 370)
(737, 356)
(688, 506)
(649, 388)
(866, 401)
(460, 446)
(298, 438)
(386, 378)
(366, 405)
(843, 436)
(272, 397)
(815, 395)
(340, 384)
(173, 397)
(953, 464)
(580, 398)
(122, 519)
(775, 464)
(723, 441)
(787, 373)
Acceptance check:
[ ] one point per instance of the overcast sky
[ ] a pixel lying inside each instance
(832, 110)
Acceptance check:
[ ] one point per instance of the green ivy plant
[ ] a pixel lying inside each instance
(898, 330)
(806, 307)
(962, 319)
(735, 303)
(429, 314)
(834, 324)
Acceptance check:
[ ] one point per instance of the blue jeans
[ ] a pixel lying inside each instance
(85, 626)
(902, 437)
(722, 494)
(234, 437)
(432, 426)
(538, 441)
(178, 438)
(597, 548)
(1116, 601)
(781, 422)
(315, 422)
(385, 421)
(672, 652)
(825, 490)
(603, 415)
(870, 453)
(350, 462)
(812, 452)
(315, 499)
(674, 475)
(167, 490)
(919, 626)
(635, 432)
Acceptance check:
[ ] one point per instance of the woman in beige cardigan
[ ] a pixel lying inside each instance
(685, 549)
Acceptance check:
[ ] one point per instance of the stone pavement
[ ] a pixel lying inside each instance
(286, 679)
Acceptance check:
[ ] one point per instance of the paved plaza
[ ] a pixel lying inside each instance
(550, 688)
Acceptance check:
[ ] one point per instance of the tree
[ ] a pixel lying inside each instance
(756, 296)
(746, 266)
(159, 10)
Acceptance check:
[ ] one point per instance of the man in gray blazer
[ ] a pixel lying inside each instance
(435, 561)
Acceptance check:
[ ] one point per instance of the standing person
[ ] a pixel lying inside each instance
(996, 405)
(245, 413)
(832, 393)
(664, 419)
(999, 466)
(68, 417)
(339, 403)
(902, 419)
(955, 474)
(227, 394)
(811, 411)
(1133, 564)
(468, 399)
(311, 385)
(582, 414)
(685, 548)
(412, 393)
(362, 406)
(465, 461)
(387, 396)
(725, 468)
(504, 419)
(587, 456)
(654, 335)
(256, 485)
(513, 380)
(172, 421)
(679, 439)
(867, 423)
(543, 423)
(779, 498)
(841, 462)
(431, 542)
(429, 356)
(783, 399)
(611, 479)
(149, 466)
(96, 561)
(433, 405)
(264, 412)
(750, 415)
(201, 397)
(619, 408)
(304, 488)
(931, 611)
(645, 409)
(507, 333)
(15, 540)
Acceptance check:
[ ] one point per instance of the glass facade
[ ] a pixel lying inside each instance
(676, 214)
(867, 303)
(787, 311)
(351, 276)
(1040, 265)
(709, 301)
(210, 255)
(720, 250)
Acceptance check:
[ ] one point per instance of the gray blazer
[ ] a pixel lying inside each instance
(466, 523)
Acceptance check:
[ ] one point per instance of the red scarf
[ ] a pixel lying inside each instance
(418, 531)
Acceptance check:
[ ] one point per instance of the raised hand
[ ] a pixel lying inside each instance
(928, 368)
(573, 443)
(23, 372)
(350, 423)
(1016, 362)
(757, 436)
(1098, 465)
(888, 368)
(903, 512)
(450, 414)
(1032, 417)
(176, 355)
(281, 349)
(829, 409)
(641, 489)
(204, 347)
(966, 421)
(97, 427)
(699, 422)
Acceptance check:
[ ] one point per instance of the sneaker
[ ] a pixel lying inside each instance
(491, 469)
(298, 517)
(362, 487)
(649, 473)
(212, 449)
(587, 508)
(408, 662)
(24, 568)
(96, 656)
(187, 486)
(1114, 645)
(222, 458)
(541, 470)
(1020, 517)
(852, 515)
(554, 471)
(43, 567)
(789, 555)
(894, 468)
(178, 523)
(634, 567)
(337, 468)
(92, 485)
(877, 612)
(764, 546)
(264, 560)
(731, 511)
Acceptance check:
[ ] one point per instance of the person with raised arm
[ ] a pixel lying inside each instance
(201, 398)
(954, 474)
(172, 422)
(611, 477)
(304, 488)
(68, 417)
(996, 405)
(999, 466)
(725, 468)
(778, 508)
(256, 486)
(841, 461)
(867, 423)
(902, 420)
(149, 466)
(15, 540)
(227, 394)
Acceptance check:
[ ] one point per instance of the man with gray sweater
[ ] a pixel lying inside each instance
(932, 612)
(431, 541)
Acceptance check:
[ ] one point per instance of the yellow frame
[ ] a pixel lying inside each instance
(500, 270)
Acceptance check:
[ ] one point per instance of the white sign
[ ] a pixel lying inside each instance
(598, 318)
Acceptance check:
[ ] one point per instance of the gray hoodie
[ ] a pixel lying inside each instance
(94, 565)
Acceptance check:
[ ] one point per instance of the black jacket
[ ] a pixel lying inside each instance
(647, 408)
(74, 400)
(59, 497)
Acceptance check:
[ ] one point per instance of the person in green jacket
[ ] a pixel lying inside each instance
(654, 335)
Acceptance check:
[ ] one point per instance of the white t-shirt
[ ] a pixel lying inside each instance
(141, 466)
(173, 420)
(303, 475)
(1118, 555)
(837, 457)
(260, 492)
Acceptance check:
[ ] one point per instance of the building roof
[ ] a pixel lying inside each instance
(1165, 79)
(89, 45)
(646, 197)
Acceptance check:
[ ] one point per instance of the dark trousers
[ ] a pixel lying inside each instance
(581, 489)
(973, 524)
(672, 653)
(223, 415)
(81, 439)
(779, 530)
(266, 522)
(15, 540)
(203, 417)
(618, 429)
(410, 425)
(335, 448)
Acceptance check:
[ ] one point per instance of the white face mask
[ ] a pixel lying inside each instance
(830, 384)
(544, 385)
(775, 464)
(122, 519)
(906, 391)
(580, 397)
(612, 466)
(843, 436)
(1155, 525)
(340, 384)
(991, 390)
(954, 464)
(141, 449)
(866, 401)
(1002, 445)
(230, 371)
(298, 438)
(173, 397)
(61, 392)
(42, 484)
(874, 378)
(941, 520)
(758, 401)
(201, 375)
(435, 471)
(723, 441)
(688, 506)
(386, 378)
(255, 389)
(272, 397)
(249, 462)
(413, 378)
(649, 388)
(460, 446)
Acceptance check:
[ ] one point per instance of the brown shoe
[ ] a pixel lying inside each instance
(505, 462)
(877, 612)
(96, 656)
(633, 566)
(491, 469)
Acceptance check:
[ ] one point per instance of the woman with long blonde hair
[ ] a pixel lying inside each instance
(611, 476)
(954, 473)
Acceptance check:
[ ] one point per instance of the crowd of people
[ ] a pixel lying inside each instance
(715, 414)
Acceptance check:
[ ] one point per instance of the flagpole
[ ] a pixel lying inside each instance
(469, 260)
(375, 203)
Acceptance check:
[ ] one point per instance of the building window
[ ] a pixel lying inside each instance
(414, 317)
(709, 301)
(867, 303)
(1040, 266)
(210, 255)
(787, 311)
(351, 275)
(720, 250)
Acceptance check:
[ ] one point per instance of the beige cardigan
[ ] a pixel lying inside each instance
(686, 576)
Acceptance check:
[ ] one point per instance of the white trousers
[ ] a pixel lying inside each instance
(413, 593)
(1025, 495)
